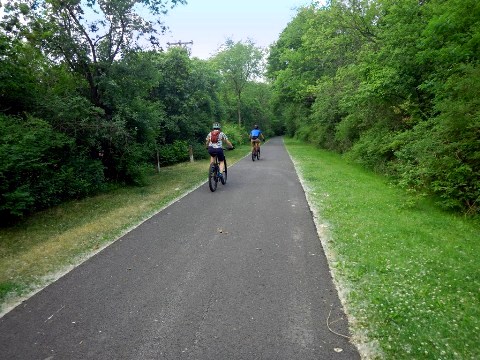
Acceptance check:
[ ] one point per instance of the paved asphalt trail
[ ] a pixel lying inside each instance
(235, 274)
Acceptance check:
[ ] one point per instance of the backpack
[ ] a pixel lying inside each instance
(214, 135)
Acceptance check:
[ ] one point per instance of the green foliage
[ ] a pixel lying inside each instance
(391, 84)
(40, 167)
(199, 151)
(19, 66)
(257, 107)
(91, 108)
(237, 135)
(443, 154)
(188, 91)
(239, 63)
(89, 45)
(173, 153)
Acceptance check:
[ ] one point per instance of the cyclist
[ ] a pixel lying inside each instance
(255, 136)
(214, 143)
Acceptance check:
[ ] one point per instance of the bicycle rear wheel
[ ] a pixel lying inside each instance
(224, 178)
(212, 178)
(258, 154)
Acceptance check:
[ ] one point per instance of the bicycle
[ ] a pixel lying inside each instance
(214, 174)
(256, 152)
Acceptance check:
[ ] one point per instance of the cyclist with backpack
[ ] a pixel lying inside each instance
(255, 136)
(214, 142)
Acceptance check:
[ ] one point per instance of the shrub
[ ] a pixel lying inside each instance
(237, 135)
(199, 151)
(173, 153)
(40, 167)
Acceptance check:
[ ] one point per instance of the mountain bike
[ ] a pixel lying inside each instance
(214, 174)
(256, 152)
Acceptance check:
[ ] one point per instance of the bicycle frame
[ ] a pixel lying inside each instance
(214, 174)
(256, 151)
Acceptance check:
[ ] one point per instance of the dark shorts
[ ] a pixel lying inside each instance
(216, 151)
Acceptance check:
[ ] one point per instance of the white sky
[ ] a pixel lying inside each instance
(208, 23)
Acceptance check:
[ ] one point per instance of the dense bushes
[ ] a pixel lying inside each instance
(174, 153)
(40, 167)
(443, 153)
(392, 85)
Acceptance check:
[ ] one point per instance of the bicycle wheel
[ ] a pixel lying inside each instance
(258, 154)
(212, 178)
(223, 179)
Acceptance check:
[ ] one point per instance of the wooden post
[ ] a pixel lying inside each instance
(190, 152)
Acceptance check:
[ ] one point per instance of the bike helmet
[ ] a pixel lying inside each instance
(216, 126)
(255, 126)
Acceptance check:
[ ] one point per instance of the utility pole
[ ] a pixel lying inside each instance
(180, 43)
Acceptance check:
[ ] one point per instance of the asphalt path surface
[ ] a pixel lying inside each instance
(235, 274)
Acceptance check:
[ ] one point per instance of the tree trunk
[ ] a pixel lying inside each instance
(238, 111)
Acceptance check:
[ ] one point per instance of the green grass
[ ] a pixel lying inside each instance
(40, 249)
(409, 272)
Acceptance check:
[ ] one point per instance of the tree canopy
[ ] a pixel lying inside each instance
(85, 104)
(239, 63)
(392, 86)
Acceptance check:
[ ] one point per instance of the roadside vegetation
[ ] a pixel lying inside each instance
(85, 104)
(392, 84)
(408, 271)
(41, 248)
(89, 111)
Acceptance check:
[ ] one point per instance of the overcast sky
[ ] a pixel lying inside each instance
(208, 23)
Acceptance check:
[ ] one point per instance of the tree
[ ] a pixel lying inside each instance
(292, 73)
(393, 84)
(239, 63)
(89, 35)
(188, 89)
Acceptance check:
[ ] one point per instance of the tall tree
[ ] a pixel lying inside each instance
(391, 83)
(239, 63)
(87, 34)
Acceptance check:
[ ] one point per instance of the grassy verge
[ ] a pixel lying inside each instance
(41, 248)
(409, 272)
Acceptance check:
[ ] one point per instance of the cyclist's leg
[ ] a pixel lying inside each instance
(221, 157)
(212, 159)
(212, 153)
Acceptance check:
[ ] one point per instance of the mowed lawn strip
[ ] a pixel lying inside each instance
(38, 250)
(409, 271)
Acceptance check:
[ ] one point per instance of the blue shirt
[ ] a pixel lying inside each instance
(255, 133)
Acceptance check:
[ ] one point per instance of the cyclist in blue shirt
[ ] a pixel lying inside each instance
(255, 136)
